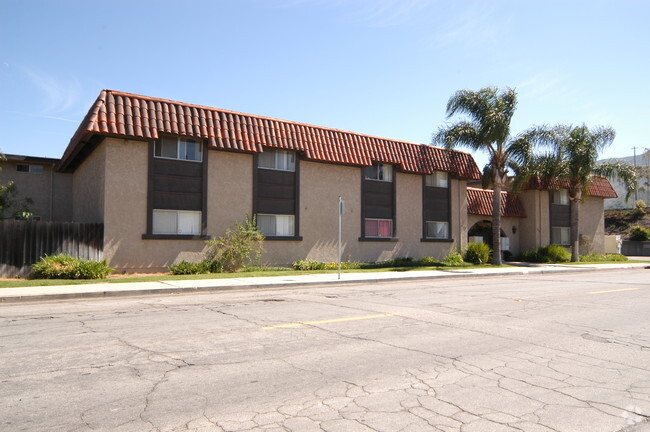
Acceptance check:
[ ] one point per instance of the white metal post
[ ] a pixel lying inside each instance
(340, 211)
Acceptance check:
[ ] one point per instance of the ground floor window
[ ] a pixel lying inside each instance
(437, 230)
(276, 225)
(378, 228)
(561, 236)
(176, 222)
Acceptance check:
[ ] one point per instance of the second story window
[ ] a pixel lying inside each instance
(379, 171)
(281, 160)
(34, 169)
(437, 179)
(560, 197)
(178, 148)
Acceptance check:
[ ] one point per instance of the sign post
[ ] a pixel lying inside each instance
(341, 208)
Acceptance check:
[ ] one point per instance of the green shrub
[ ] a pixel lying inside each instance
(63, 266)
(547, 254)
(237, 247)
(638, 233)
(600, 257)
(429, 261)
(403, 262)
(345, 265)
(184, 268)
(529, 256)
(311, 264)
(203, 267)
(477, 253)
(308, 264)
(453, 259)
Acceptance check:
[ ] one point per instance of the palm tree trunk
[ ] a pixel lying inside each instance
(575, 228)
(496, 225)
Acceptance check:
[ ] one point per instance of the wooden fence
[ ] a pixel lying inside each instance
(22, 243)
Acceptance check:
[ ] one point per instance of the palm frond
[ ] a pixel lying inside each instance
(622, 171)
(461, 134)
(476, 105)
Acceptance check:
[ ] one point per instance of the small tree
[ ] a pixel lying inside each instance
(8, 200)
(239, 246)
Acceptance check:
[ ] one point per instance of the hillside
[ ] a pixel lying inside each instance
(620, 222)
(642, 162)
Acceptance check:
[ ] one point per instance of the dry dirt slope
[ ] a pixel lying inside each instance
(622, 221)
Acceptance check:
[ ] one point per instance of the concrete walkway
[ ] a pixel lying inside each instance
(39, 293)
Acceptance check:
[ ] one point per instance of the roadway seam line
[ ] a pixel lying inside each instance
(613, 291)
(299, 324)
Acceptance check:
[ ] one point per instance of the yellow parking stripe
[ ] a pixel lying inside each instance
(612, 291)
(327, 321)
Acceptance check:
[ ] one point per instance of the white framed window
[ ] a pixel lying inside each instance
(182, 222)
(281, 160)
(380, 172)
(378, 228)
(276, 225)
(438, 179)
(437, 230)
(561, 236)
(178, 148)
(34, 169)
(560, 197)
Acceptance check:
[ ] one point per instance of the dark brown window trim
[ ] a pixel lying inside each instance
(296, 215)
(283, 238)
(204, 200)
(174, 237)
(432, 240)
(449, 219)
(362, 214)
(378, 239)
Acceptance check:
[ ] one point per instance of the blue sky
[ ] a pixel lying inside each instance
(381, 67)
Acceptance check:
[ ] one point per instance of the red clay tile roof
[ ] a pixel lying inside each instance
(129, 115)
(479, 202)
(599, 187)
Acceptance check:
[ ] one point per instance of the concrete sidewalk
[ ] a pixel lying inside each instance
(39, 293)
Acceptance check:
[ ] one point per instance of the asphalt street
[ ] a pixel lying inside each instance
(552, 352)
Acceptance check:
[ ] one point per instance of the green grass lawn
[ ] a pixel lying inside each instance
(16, 283)
(605, 262)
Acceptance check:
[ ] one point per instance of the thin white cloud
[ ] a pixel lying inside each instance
(389, 13)
(58, 96)
(373, 13)
(546, 86)
(477, 25)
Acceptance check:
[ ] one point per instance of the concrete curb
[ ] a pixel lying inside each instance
(131, 289)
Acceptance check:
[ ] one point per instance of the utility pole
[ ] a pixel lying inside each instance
(341, 209)
(635, 171)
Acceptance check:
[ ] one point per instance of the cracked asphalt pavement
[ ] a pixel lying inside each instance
(564, 352)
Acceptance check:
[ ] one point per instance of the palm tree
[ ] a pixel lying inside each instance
(572, 158)
(487, 128)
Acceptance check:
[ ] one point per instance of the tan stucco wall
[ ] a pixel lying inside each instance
(459, 220)
(62, 197)
(321, 185)
(88, 187)
(51, 192)
(592, 224)
(534, 230)
(126, 213)
(230, 189)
